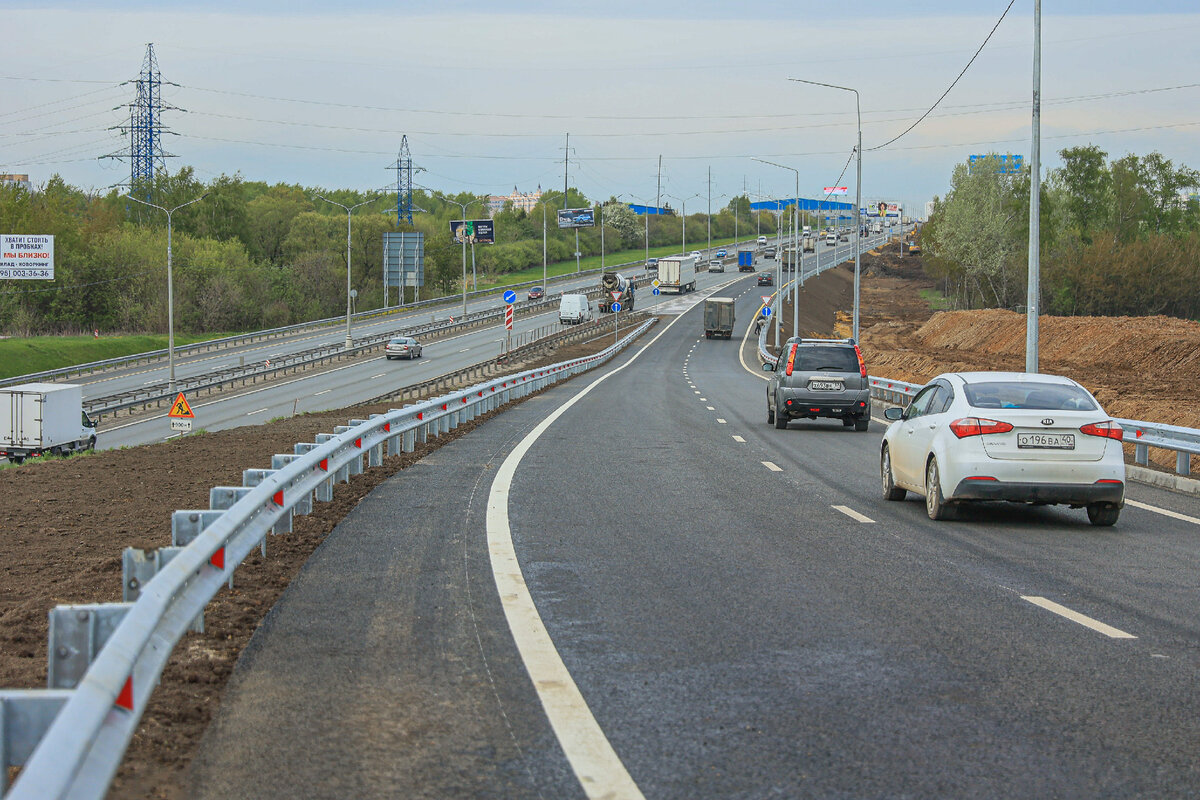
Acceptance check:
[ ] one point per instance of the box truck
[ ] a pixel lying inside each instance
(718, 317)
(677, 275)
(746, 260)
(44, 419)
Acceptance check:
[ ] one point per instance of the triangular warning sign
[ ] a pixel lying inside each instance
(766, 298)
(180, 408)
(616, 295)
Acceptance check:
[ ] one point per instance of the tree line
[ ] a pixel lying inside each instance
(251, 255)
(1117, 237)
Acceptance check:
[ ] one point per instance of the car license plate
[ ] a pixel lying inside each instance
(1046, 441)
(825, 386)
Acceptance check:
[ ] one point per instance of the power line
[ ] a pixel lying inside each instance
(952, 85)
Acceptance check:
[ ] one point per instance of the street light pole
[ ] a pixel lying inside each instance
(170, 287)
(797, 257)
(1035, 200)
(857, 193)
(349, 210)
(463, 220)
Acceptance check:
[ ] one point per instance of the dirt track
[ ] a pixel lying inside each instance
(65, 522)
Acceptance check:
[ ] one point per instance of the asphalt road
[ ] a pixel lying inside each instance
(740, 613)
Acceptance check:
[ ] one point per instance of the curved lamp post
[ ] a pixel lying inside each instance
(348, 210)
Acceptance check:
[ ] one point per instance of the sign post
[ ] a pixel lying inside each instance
(616, 308)
(655, 284)
(181, 414)
(510, 297)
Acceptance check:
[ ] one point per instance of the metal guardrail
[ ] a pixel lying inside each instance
(1185, 442)
(105, 659)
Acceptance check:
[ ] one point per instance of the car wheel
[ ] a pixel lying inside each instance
(935, 505)
(1103, 514)
(847, 422)
(781, 419)
(770, 413)
(862, 423)
(890, 490)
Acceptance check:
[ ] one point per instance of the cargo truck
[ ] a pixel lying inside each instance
(746, 260)
(718, 317)
(616, 282)
(39, 419)
(809, 243)
(677, 274)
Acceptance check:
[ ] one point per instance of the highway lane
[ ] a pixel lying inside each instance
(741, 612)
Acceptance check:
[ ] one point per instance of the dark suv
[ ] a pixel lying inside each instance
(819, 378)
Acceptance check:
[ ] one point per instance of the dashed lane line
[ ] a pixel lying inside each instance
(710, 408)
(852, 514)
(260, 411)
(739, 439)
(323, 391)
(772, 466)
(720, 421)
(1163, 511)
(1075, 616)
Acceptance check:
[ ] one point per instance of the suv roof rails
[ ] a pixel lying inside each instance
(802, 340)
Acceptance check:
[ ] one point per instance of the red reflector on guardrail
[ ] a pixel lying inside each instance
(125, 698)
(324, 465)
(387, 426)
(218, 558)
(278, 498)
(358, 442)
(420, 415)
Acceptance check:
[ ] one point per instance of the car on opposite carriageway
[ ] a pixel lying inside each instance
(402, 347)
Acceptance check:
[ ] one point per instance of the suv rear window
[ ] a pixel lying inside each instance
(825, 358)
(1042, 396)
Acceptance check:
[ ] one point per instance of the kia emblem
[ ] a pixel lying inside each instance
(1047, 422)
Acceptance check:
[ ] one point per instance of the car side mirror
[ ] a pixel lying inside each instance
(768, 367)
(893, 413)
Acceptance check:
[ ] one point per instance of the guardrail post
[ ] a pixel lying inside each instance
(187, 525)
(1141, 454)
(255, 477)
(138, 567)
(1183, 463)
(25, 715)
(355, 465)
(76, 635)
(303, 505)
(324, 492)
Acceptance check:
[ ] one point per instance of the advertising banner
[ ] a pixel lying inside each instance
(836, 189)
(26, 257)
(473, 231)
(576, 218)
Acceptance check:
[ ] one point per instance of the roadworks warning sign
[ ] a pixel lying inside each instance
(180, 408)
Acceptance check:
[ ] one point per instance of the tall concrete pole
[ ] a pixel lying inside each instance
(1035, 190)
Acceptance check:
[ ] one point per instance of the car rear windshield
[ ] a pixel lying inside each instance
(820, 358)
(1042, 396)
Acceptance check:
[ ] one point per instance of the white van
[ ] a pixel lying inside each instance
(574, 309)
(831, 239)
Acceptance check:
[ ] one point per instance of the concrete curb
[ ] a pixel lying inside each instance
(1163, 480)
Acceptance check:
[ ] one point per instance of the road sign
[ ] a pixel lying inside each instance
(766, 298)
(616, 296)
(616, 306)
(510, 296)
(180, 408)
(655, 283)
(508, 315)
(767, 311)
(657, 292)
(184, 425)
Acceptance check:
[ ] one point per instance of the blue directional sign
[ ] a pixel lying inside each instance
(616, 306)
(767, 311)
(510, 296)
(657, 292)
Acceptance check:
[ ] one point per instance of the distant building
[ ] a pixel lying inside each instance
(928, 209)
(520, 201)
(7, 179)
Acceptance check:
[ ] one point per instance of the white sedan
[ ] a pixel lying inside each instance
(1026, 438)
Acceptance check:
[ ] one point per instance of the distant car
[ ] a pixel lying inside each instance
(651, 263)
(716, 265)
(1015, 436)
(819, 378)
(721, 253)
(843, 237)
(769, 252)
(831, 239)
(536, 293)
(766, 279)
(694, 254)
(762, 240)
(402, 347)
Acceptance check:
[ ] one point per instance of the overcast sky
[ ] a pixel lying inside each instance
(486, 92)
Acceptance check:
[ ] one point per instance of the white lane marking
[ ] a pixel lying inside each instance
(464, 350)
(772, 466)
(852, 514)
(710, 408)
(323, 391)
(737, 438)
(720, 421)
(597, 766)
(703, 399)
(380, 375)
(1163, 511)
(260, 411)
(695, 392)
(1075, 616)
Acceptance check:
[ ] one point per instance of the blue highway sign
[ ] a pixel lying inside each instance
(510, 296)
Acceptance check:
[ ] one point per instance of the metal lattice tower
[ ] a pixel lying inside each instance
(404, 182)
(145, 129)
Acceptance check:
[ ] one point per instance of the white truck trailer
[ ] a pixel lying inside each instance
(677, 274)
(43, 419)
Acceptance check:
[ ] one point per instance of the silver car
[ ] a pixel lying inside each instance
(402, 347)
(819, 378)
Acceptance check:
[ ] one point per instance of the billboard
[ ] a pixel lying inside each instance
(576, 218)
(26, 257)
(473, 231)
(835, 190)
(403, 259)
(1005, 165)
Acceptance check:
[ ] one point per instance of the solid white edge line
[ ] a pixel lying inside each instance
(1082, 619)
(591, 755)
(1163, 511)
(852, 514)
